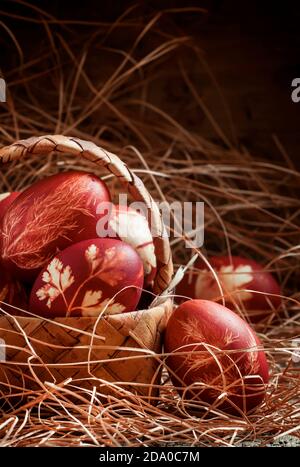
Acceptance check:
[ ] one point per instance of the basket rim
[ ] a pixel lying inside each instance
(164, 303)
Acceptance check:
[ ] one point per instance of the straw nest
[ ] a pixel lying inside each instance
(96, 90)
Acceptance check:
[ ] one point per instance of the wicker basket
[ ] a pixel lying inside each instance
(90, 351)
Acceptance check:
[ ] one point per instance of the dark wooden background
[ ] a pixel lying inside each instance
(252, 47)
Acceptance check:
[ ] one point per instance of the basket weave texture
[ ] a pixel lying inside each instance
(119, 350)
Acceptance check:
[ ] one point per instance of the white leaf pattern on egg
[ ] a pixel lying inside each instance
(92, 256)
(91, 298)
(57, 279)
(231, 280)
(107, 306)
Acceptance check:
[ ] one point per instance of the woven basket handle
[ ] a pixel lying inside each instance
(132, 183)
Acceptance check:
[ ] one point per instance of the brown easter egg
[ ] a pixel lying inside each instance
(47, 217)
(89, 278)
(244, 283)
(215, 357)
(132, 227)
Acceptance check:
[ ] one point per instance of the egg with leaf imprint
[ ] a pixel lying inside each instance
(215, 357)
(89, 278)
(243, 283)
(50, 215)
(132, 227)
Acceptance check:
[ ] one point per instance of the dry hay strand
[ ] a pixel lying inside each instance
(83, 79)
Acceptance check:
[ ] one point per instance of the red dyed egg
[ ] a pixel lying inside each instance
(5, 201)
(221, 363)
(244, 283)
(87, 279)
(133, 228)
(49, 216)
(13, 297)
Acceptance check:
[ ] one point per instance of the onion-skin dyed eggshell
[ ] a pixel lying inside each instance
(240, 279)
(132, 227)
(12, 295)
(82, 280)
(5, 201)
(47, 217)
(221, 354)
